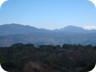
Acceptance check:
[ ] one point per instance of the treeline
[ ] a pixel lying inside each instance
(48, 58)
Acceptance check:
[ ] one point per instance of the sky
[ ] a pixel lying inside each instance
(49, 14)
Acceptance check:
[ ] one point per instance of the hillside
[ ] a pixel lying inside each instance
(48, 58)
(16, 33)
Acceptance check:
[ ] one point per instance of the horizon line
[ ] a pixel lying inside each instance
(86, 27)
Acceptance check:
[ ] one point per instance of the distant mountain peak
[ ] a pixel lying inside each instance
(72, 28)
(17, 33)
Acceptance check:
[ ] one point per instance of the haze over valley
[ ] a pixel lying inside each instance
(17, 33)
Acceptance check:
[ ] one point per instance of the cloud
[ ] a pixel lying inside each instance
(89, 27)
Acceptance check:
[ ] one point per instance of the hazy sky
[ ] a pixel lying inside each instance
(50, 14)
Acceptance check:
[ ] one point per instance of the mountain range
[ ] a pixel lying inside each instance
(17, 33)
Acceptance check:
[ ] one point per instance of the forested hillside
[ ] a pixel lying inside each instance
(48, 58)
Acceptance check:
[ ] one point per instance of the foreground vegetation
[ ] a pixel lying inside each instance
(48, 58)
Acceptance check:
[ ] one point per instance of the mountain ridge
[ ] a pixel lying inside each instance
(14, 33)
(13, 28)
